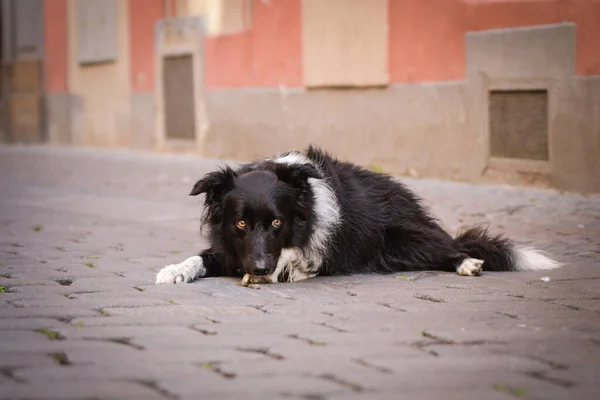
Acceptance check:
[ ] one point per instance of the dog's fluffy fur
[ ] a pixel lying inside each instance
(305, 214)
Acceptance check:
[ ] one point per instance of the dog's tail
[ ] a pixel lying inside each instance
(501, 254)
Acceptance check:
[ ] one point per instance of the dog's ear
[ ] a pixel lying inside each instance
(215, 184)
(296, 174)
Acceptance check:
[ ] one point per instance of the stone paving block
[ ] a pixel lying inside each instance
(14, 360)
(223, 388)
(81, 389)
(75, 300)
(59, 313)
(10, 324)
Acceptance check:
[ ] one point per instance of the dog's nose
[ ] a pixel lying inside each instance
(260, 268)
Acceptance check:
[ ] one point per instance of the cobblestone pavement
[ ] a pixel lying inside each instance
(83, 233)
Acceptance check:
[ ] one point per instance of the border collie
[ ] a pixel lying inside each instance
(304, 214)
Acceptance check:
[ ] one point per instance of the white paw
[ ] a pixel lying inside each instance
(183, 272)
(470, 267)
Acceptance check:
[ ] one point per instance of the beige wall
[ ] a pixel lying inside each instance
(103, 89)
(344, 43)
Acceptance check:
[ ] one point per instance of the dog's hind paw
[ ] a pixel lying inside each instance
(470, 267)
(183, 272)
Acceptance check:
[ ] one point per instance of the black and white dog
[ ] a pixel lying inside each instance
(300, 215)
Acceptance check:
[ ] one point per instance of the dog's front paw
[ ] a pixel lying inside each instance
(183, 272)
(470, 267)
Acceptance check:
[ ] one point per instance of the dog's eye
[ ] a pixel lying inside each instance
(276, 223)
(241, 224)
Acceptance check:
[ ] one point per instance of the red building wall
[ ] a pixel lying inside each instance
(142, 16)
(426, 41)
(55, 46)
(269, 54)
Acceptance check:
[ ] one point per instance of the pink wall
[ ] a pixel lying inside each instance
(55, 45)
(142, 15)
(426, 41)
(269, 54)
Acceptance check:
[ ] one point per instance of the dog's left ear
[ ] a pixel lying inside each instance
(215, 184)
(296, 174)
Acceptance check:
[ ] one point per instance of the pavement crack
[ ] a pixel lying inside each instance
(152, 385)
(118, 340)
(9, 373)
(335, 328)
(264, 351)
(365, 364)
(511, 316)
(436, 339)
(342, 382)
(60, 358)
(203, 331)
(214, 366)
(260, 308)
(427, 297)
(550, 363)
(388, 305)
(307, 340)
(541, 375)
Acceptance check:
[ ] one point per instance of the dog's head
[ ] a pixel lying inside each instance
(256, 213)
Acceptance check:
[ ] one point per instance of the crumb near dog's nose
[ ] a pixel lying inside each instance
(248, 279)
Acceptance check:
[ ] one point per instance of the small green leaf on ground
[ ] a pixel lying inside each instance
(90, 265)
(38, 228)
(2, 289)
(79, 324)
(513, 391)
(404, 277)
(171, 301)
(92, 257)
(208, 365)
(52, 335)
(103, 312)
(139, 288)
(174, 252)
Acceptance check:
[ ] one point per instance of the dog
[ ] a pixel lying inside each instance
(304, 214)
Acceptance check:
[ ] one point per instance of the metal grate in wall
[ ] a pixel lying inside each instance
(178, 78)
(519, 124)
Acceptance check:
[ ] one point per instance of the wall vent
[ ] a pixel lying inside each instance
(519, 124)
